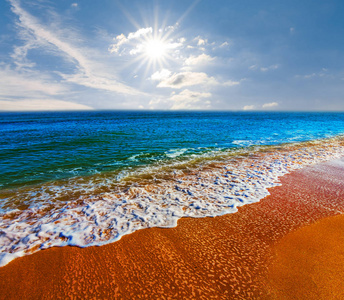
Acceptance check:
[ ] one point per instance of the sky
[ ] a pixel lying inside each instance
(172, 55)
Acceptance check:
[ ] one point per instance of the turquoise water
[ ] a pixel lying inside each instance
(41, 147)
(88, 178)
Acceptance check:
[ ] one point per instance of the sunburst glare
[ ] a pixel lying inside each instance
(152, 47)
(155, 49)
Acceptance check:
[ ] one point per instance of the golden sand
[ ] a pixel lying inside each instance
(225, 257)
(309, 263)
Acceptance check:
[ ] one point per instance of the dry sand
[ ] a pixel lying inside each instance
(309, 263)
(265, 251)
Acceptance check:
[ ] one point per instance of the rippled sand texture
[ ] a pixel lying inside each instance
(225, 257)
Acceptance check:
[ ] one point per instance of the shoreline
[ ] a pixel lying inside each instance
(216, 257)
(110, 210)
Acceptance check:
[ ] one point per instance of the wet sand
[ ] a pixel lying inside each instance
(236, 256)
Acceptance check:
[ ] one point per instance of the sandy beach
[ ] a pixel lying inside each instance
(287, 246)
(172, 150)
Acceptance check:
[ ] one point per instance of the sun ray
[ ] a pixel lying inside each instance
(156, 45)
(128, 15)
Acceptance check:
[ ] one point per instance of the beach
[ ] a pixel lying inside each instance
(234, 256)
(171, 150)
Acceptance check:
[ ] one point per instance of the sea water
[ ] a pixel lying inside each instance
(88, 178)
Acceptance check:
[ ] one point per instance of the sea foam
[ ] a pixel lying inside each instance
(102, 209)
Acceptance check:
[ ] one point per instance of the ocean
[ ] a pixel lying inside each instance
(88, 178)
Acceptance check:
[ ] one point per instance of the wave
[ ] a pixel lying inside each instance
(99, 209)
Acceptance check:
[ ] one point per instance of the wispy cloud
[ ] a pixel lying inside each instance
(323, 73)
(224, 44)
(17, 84)
(25, 90)
(269, 68)
(87, 70)
(264, 69)
(231, 83)
(40, 105)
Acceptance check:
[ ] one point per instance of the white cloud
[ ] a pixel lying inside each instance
(190, 100)
(200, 41)
(199, 60)
(183, 79)
(139, 48)
(88, 72)
(121, 39)
(74, 4)
(248, 107)
(161, 75)
(173, 45)
(40, 105)
(270, 105)
(139, 33)
(292, 30)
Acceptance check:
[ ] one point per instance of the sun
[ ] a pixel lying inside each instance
(152, 47)
(155, 49)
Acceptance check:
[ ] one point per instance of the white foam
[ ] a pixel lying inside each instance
(106, 210)
(175, 152)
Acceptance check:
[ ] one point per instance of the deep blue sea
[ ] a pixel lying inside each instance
(41, 147)
(88, 178)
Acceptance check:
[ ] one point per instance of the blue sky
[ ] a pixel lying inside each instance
(172, 55)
